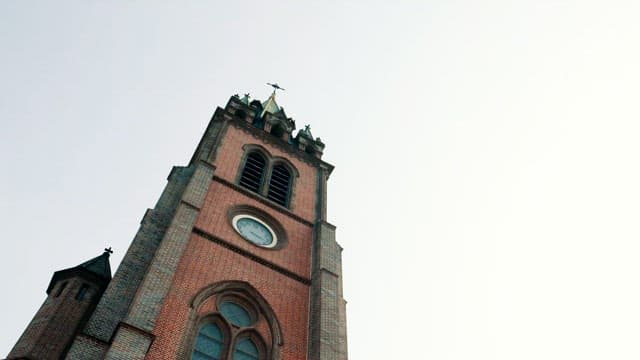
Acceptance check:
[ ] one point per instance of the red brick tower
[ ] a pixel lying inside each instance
(72, 295)
(236, 260)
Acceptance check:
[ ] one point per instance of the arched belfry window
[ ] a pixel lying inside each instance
(279, 184)
(272, 177)
(253, 172)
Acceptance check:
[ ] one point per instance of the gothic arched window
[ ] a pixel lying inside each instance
(229, 335)
(253, 172)
(279, 184)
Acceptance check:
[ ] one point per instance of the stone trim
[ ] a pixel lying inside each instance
(136, 329)
(328, 224)
(190, 205)
(330, 272)
(94, 339)
(86, 346)
(327, 325)
(199, 232)
(130, 343)
(219, 136)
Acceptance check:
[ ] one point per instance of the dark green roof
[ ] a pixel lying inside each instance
(97, 268)
(99, 265)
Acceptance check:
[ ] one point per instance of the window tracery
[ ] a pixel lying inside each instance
(230, 325)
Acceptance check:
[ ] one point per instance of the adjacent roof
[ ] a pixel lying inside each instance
(99, 265)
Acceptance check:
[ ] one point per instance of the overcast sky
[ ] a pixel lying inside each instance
(487, 183)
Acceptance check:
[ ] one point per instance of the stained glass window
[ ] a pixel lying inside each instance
(235, 314)
(209, 343)
(245, 349)
(216, 341)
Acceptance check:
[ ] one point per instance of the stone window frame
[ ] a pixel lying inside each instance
(271, 161)
(245, 295)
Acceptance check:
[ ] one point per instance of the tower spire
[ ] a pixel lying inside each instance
(270, 106)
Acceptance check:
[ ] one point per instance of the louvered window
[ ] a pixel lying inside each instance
(279, 185)
(253, 171)
(61, 288)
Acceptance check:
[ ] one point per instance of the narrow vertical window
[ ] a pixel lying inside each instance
(246, 349)
(253, 172)
(82, 292)
(209, 343)
(61, 289)
(279, 185)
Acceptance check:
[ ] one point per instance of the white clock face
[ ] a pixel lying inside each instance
(255, 230)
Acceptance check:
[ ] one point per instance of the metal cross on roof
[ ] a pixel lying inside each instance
(275, 86)
(108, 250)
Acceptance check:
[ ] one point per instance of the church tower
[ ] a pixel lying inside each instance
(235, 261)
(72, 295)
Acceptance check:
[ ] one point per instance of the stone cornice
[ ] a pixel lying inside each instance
(272, 140)
(258, 259)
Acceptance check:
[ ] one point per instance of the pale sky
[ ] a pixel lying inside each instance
(487, 184)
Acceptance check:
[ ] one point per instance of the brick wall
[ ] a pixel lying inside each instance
(214, 220)
(205, 262)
